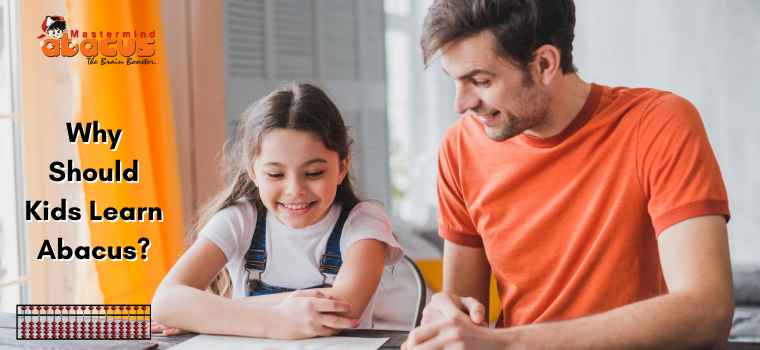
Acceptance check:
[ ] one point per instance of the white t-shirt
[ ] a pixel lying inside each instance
(293, 255)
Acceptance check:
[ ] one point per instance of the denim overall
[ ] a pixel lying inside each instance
(256, 256)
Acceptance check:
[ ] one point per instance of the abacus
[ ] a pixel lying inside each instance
(82, 322)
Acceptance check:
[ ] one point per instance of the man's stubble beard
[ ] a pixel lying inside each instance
(535, 106)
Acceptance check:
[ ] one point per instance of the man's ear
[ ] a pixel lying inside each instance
(547, 63)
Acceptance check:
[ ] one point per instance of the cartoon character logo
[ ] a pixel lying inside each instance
(53, 26)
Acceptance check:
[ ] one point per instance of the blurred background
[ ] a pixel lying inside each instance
(217, 57)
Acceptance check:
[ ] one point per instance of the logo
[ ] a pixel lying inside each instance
(53, 27)
(99, 47)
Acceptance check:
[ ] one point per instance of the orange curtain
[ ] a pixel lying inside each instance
(135, 99)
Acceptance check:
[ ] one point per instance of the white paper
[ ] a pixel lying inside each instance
(220, 342)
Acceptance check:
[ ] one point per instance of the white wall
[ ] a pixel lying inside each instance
(336, 44)
(707, 51)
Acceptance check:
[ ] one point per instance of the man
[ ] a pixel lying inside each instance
(600, 211)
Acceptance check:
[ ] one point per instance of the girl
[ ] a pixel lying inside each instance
(304, 256)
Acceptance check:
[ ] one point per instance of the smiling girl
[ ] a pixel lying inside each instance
(303, 254)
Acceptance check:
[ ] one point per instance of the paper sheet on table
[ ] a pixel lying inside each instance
(219, 342)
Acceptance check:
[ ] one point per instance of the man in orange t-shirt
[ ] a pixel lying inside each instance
(600, 211)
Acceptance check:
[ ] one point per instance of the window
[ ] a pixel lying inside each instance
(9, 294)
(419, 111)
(5, 63)
(10, 228)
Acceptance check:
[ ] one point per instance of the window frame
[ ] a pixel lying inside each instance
(11, 23)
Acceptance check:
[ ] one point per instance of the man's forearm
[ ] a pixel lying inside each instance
(466, 273)
(673, 321)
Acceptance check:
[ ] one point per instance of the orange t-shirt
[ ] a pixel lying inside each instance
(570, 223)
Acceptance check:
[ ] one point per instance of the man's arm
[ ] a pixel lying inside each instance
(466, 272)
(696, 313)
(466, 282)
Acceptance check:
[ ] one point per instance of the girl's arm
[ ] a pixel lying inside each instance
(356, 281)
(359, 275)
(182, 302)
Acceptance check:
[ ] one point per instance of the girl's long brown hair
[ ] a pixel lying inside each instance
(299, 106)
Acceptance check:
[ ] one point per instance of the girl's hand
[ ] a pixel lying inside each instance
(311, 313)
(156, 327)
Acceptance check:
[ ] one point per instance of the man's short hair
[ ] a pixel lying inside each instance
(520, 27)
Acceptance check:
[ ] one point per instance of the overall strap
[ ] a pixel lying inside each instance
(256, 256)
(331, 259)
